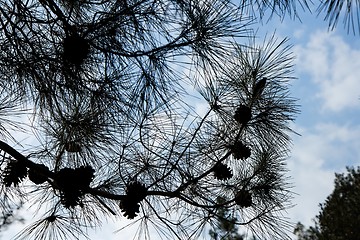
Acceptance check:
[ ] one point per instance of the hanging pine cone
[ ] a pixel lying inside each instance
(70, 194)
(70, 198)
(73, 183)
(14, 173)
(85, 174)
(129, 208)
(243, 198)
(240, 151)
(222, 171)
(135, 193)
(65, 178)
(76, 49)
(243, 114)
(36, 176)
(259, 88)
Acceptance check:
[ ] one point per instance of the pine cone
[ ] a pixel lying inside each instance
(243, 114)
(73, 183)
(66, 178)
(36, 176)
(76, 49)
(129, 207)
(135, 193)
(240, 151)
(222, 171)
(14, 173)
(243, 198)
(259, 88)
(85, 174)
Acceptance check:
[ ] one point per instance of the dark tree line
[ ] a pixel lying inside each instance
(107, 87)
(339, 215)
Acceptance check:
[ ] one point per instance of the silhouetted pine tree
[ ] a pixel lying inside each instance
(339, 216)
(110, 85)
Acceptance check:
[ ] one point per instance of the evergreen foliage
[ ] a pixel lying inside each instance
(110, 86)
(340, 213)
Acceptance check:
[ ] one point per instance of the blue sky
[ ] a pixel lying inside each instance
(328, 89)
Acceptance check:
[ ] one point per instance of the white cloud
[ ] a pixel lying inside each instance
(343, 133)
(312, 182)
(334, 66)
(317, 155)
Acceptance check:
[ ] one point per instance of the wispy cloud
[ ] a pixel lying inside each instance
(334, 67)
(321, 151)
(329, 68)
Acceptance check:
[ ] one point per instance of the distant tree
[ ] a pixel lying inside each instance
(225, 227)
(339, 216)
(302, 233)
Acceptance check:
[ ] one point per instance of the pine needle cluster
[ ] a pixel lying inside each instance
(109, 84)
